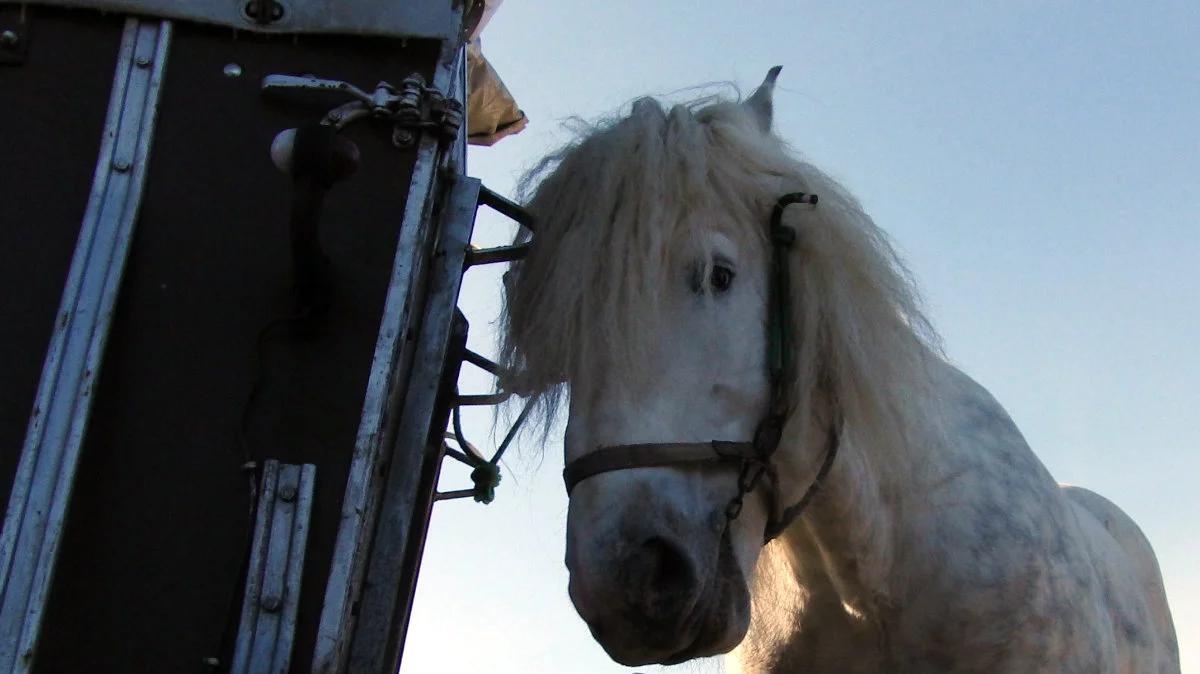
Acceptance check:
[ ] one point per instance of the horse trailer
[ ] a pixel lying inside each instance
(233, 234)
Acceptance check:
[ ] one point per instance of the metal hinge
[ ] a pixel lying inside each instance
(411, 107)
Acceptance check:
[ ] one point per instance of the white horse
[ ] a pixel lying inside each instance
(935, 542)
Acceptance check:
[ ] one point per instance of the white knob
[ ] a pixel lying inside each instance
(281, 150)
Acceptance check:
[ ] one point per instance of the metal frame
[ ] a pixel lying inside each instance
(416, 452)
(398, 448)
(391, 376)
(268, 623)
(41, 493)
(435, 19)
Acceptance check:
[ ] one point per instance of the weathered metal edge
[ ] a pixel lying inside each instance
(390, 369)
(42, 489)
(402, 517)
(432, 19)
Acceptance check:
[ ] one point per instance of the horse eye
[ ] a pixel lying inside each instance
(721, 278)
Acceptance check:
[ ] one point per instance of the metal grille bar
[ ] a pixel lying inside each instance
(33, 524)
(390, 373)
(268, 624)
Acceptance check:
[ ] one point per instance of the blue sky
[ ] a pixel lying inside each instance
(1037, 163)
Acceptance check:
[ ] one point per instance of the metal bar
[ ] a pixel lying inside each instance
(505, 207)
(271, 600)
(390, 373)
(482, 362)
(478, 256)
(403, 515)
(482, 399)
(451, 495)
(41, 492)
(428, 19)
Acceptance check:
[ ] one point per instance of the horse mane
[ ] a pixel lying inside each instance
(615, 206)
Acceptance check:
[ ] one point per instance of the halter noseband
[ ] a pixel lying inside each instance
(754, 457)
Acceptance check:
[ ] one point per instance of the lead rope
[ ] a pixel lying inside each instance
(789, 514)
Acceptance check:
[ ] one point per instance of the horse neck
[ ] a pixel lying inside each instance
(847, 538)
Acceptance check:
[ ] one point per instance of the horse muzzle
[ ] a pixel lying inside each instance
(662, 599)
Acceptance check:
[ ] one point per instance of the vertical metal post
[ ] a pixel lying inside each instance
(33, 523)
(408, 492)
(391, 373)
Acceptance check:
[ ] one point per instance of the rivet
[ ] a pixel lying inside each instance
(271, 604)
(120, 165)
(143, 61)
(232, 70)
(287, 493)
(9, 39)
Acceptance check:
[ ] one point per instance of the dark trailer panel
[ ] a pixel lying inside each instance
(222, 371)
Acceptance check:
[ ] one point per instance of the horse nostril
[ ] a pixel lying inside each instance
(667, 564)
(664, 577)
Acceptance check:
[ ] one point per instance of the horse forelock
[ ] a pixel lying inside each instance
(614, 209)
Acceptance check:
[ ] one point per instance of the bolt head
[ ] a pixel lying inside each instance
(9, 38)
(271, 604)
(287, 493)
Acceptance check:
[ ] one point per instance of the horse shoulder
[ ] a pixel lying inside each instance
(999, 574)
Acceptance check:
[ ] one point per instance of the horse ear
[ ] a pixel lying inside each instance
(760, 104)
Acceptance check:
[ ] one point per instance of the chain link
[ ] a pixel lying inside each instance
(751, 472)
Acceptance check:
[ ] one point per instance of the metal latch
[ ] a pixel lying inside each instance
(411, 107)
(316, 155)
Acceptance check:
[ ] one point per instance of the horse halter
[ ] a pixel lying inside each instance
(753, 458)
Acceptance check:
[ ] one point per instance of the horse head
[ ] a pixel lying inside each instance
(652, 296)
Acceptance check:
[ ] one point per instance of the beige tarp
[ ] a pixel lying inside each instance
(492, 114)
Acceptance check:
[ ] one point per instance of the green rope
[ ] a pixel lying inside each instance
(486, 477)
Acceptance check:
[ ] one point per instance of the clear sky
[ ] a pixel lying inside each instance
(1038, 164)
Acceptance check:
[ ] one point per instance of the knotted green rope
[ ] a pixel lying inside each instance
(486, 477)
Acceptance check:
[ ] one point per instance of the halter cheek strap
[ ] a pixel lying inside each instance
(753, 458)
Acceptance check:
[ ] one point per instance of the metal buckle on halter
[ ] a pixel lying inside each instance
(766, 440)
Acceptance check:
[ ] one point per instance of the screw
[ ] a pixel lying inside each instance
(121, 165)
(287, 493)
(232, 70)
(9, 39)
(271, 604)
(143, 61)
